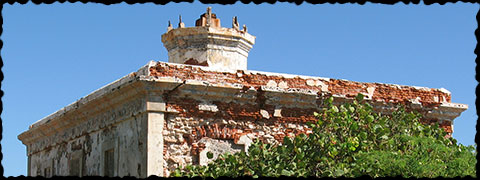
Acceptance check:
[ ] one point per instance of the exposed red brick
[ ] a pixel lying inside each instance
(383, 92)
(192, 61)
(188, 107)
(244, 112)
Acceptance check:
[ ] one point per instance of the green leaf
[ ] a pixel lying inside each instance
(385, 137)
(335, 109)
(351, 108)
(310, 124)
(319, 122)
(286, 172)
(339, 172)
(330, 100)
(370, 118)
(363, 135)
(354, 126)
(209, 155)
(359, 97)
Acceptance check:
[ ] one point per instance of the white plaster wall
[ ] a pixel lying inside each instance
(218, 58)
(155, 144)
(128, 137)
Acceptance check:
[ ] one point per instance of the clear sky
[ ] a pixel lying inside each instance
(55, 54)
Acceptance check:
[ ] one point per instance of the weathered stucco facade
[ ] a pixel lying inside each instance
(167, 115)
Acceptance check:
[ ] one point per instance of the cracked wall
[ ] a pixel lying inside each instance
(78, 146)
(224, 111)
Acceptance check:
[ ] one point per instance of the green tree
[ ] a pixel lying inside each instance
(351, 140)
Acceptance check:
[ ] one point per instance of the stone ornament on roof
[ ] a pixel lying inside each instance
(235, 23)
(209, 16)
(208, 19)
(170, 27)
(180, 23)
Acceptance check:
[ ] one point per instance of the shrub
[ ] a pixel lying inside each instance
(351, 140)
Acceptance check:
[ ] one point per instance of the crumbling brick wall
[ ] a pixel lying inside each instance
(264, 106)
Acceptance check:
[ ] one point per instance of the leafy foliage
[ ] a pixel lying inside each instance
(351, 140)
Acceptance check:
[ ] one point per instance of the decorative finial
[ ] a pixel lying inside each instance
(180, 23)
(244, 28)
(209, 16)
(235, 23)
(169, 26)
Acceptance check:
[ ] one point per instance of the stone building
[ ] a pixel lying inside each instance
(170, 114)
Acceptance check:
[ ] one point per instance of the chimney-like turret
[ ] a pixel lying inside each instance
(209, 44)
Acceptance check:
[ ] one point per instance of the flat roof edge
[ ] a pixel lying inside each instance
(129, 78)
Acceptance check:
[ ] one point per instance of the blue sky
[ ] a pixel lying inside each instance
(55, 54)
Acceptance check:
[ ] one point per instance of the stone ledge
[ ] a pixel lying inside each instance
(277, 81)
(241, 88)
(190, 31)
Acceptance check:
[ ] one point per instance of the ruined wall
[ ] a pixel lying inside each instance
(221, 127)
(168, 115)
(375, 91)
(109, 129)
(224, 111)
(84, 156)
(202, 126)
